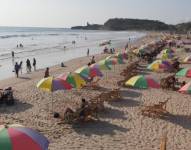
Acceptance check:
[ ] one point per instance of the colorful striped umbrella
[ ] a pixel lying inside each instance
(51, 84)
(142, 82)
(111, 60)
(87, 72)
(165, 51)
(103, 65)
(186, 72)
(16, 137)
(187, 59)
(120, 58)
(165, 56)
(186, 88)
(74, 79)
(159, 65)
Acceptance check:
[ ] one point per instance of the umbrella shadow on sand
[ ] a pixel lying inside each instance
(112, 114)
(125, 103)
(181, 120)
(129, 93)
(98, 128)
(16, 108)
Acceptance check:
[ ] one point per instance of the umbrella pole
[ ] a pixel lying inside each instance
(52, 101)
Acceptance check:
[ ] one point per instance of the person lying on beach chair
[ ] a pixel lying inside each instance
(84, 113)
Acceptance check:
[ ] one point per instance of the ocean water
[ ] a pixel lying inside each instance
(51, 46)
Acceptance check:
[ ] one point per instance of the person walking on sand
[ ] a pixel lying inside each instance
(93, 60)
(34, 64)
(88, 52)
(28, 65)
(17, 67)
(21, 66)
(46, 74)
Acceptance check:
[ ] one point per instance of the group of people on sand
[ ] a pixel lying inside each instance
(19, 66)
(108, 51)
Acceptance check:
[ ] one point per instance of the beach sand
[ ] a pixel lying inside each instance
(120, 125)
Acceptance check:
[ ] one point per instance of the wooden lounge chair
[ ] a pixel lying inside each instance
(155, 111)
(94, 85)
(110, 95)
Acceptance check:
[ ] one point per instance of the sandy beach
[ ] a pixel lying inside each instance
(120, 126)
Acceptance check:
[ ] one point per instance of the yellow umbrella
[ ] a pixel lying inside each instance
(45, 84)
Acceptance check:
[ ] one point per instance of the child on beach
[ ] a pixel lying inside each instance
(46, 74)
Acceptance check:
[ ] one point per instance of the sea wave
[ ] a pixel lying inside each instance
(26, 35)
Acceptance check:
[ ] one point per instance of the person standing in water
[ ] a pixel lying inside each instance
(21, 66)
(17, 67)
(28, 63)
(13, 54)
(88, 52)
(34, 64)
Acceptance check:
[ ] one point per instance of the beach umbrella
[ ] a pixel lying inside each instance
(165, 56)
(103, 65)
(159, 65)
(87, 72)
(165, 51)
(120, 58)
(186, 72)
(16, 137)
(186, 88)
(74, 79)
(187, 59)
(51, 84)
(142, 82)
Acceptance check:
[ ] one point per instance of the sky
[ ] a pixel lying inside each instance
(67, 13)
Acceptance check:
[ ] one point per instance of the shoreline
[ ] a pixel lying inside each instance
(57, 66)
(50, 51)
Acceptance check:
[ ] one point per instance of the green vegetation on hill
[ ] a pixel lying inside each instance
(183, 27)
(134, 24)
(120, 24)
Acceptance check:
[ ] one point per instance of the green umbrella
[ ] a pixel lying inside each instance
(104, 65)
(184, 73)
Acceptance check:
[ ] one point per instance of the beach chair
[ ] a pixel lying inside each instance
(97, 103)
(156, 110)
(115, 94)
(94, 85)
